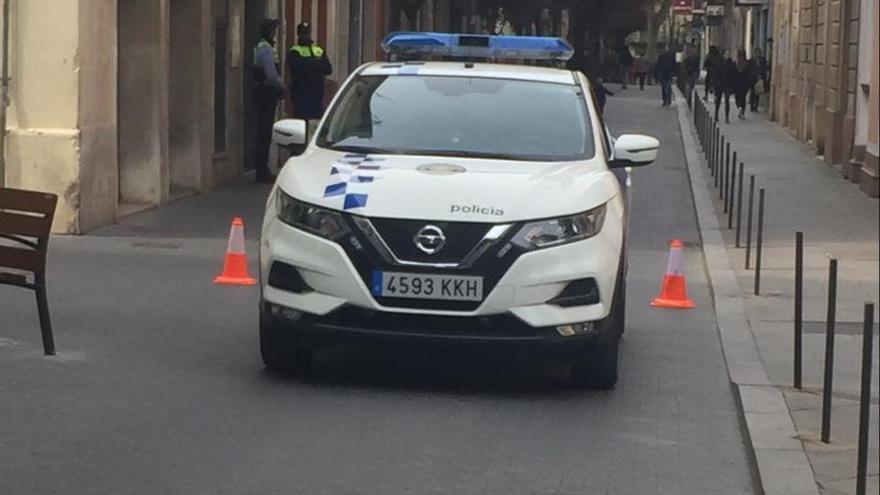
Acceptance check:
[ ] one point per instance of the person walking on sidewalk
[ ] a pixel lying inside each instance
(710, 65)
(720, 84)
(308, 65)
(742, 79)
(624, 62)
(640, 66)
(691, 70)
(267, 91)
(601, 93)
(664, 71)
(759, 67)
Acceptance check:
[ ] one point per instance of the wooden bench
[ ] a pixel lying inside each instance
(25, 222)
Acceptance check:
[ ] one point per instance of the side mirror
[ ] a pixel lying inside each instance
(290, 133)
(634, 150)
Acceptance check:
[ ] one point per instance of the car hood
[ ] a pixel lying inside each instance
(446, 189)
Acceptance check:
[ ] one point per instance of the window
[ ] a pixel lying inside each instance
(461, 116)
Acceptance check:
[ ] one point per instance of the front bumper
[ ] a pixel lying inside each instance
(522, 289)
(356, 325)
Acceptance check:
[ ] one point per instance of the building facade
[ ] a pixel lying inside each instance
(126, 106)
(824, 90)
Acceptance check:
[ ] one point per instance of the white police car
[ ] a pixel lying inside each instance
(452, 201)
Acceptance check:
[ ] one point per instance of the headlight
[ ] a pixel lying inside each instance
(557, 231)
(319, 221)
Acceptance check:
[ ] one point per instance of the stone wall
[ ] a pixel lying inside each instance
(814, 92)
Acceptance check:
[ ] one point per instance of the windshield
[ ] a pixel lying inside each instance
(461, 116)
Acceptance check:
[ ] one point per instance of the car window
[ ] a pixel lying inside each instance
(461, 116)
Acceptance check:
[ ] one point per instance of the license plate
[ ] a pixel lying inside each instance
(421, 286)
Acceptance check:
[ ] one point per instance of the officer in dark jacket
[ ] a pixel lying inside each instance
(665, 71)
(268, 89)
(308, 65)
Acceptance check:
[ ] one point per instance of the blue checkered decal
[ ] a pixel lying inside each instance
(349, 177)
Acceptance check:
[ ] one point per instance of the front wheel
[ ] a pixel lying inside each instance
(279, 351)
(598, 368)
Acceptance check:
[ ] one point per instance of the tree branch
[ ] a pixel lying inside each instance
(660, 16)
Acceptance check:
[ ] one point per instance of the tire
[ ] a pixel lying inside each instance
(280, 352)
(597, 367)
(597, 370)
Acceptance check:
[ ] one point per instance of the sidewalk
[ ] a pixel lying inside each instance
(803, 194)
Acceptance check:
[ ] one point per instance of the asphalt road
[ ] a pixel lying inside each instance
(159, 388)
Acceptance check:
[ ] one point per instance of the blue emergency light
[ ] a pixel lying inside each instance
(473, 46)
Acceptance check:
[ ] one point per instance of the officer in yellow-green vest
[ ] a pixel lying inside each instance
(268, 90)
(308, 65)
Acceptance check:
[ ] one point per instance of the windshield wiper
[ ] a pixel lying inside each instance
(363, 149)
(476, 154)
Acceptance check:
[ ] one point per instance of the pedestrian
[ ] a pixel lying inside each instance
(721, 84)
(267, 91)
(601, 93)
(664, 71)
(691, 70)
(308, 66)
(625, 61)
(640, 66)
(760, 86)
(742, 80)
(710, 65)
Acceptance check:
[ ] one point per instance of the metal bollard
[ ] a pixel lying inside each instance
(828, 383)
(725, 162)
(798, 310)
(749, 222)
(865, 401)
(715, 155)
(739, 203)
(711, 152)
(707, 137)
(731, 190)
(707, 143)
(702, 130)
(759, 247)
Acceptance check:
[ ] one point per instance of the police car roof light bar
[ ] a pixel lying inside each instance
(470, 46)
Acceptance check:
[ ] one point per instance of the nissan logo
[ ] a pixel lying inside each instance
(430, 239)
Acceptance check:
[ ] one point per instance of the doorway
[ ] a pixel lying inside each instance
(184, 94)
(254, 13)
(139, 106)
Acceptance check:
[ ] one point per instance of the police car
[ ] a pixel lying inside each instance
(459, 200)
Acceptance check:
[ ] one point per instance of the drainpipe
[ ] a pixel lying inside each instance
(4, 91)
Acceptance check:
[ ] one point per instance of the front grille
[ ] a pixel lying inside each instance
(461, 239)
(492, 264)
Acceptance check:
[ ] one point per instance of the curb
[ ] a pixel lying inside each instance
(783, 467)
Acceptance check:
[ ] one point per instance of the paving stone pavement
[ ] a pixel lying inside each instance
(804, 194)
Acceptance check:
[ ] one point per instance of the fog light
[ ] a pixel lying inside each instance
(286, 313)
(566, 330)
(575, 329)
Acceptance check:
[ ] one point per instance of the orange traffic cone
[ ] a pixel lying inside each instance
(235, 270)
(673, 292)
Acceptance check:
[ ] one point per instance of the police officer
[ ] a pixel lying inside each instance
(268, 89)
(308, 65)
